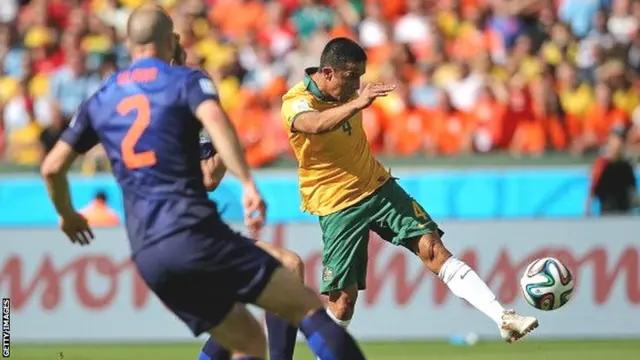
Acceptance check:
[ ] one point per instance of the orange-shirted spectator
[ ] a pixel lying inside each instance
(391, 9)
(601, 117)
(260, 144)
(471, 40)
(488, 115)
(405, 134)
(453, 129)
(373, 122)
(99, 213)
(547, 109)
(522, 130)
(250, 16)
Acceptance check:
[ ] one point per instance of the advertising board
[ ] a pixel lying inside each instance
(65, 293)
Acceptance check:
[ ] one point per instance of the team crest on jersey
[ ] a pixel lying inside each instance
(327, 274)
(207, 87)
(301, 105)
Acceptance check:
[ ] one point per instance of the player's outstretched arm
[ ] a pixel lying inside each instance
(314, 122)
(78, 138)
(54, 173)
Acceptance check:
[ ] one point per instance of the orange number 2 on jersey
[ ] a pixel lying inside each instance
(132, 159)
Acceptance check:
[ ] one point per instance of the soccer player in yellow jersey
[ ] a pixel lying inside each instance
(352, 193)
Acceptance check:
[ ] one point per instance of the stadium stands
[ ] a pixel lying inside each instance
(521, 77)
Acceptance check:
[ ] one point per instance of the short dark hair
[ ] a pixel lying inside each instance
(340, 51)
(101, 195)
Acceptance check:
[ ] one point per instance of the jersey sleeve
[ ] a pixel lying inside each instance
(80, 135)
(199, 88)
(206, 146)
(294, 107)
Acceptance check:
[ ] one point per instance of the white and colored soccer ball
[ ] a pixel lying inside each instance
(547, 284)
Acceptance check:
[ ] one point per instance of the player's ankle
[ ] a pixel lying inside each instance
(342, 322)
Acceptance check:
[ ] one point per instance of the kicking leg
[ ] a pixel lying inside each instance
(402, 221)
(464, 282)
(342, 303)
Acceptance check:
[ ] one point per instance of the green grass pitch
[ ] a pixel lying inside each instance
(526, 350)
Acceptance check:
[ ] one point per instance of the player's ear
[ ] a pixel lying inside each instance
(327, 72)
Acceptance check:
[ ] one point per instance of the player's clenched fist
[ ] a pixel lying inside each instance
(77, 229)
(373, 91)
(255, 208)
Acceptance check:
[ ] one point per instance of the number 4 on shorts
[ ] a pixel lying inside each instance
(419, 211)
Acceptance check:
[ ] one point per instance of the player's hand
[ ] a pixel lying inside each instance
(255, 208)
(373, 91)
(77, 229)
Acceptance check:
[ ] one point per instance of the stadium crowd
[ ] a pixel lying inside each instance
(474, 76)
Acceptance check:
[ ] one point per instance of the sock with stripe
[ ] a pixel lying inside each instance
(328, 340)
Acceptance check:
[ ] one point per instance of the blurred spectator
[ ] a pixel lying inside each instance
(613, 181)
(98, 212)
(579, 14)
(23, 145)
(523, 77)
(72, 84)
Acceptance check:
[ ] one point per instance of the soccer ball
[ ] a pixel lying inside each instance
(547, 284)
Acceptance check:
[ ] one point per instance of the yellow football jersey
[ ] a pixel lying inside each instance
(336, 169)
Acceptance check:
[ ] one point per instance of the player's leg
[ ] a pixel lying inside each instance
(281, 334)
(404, 222)
(345, 236)
(193, 287)
(238, 326)
(298, 304)
(258, 278)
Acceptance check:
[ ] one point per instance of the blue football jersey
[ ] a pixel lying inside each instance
(144, 118)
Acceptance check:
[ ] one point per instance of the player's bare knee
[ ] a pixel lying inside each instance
(293, 262)
(342, 303)
(431, 251)
(306, 304)
(286, 296)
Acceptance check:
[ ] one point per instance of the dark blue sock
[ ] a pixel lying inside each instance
(211, 350)
(282, 338)
(328, 340)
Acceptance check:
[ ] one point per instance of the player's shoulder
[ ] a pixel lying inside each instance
(192, 77)
(299, 90)
(298, 99)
